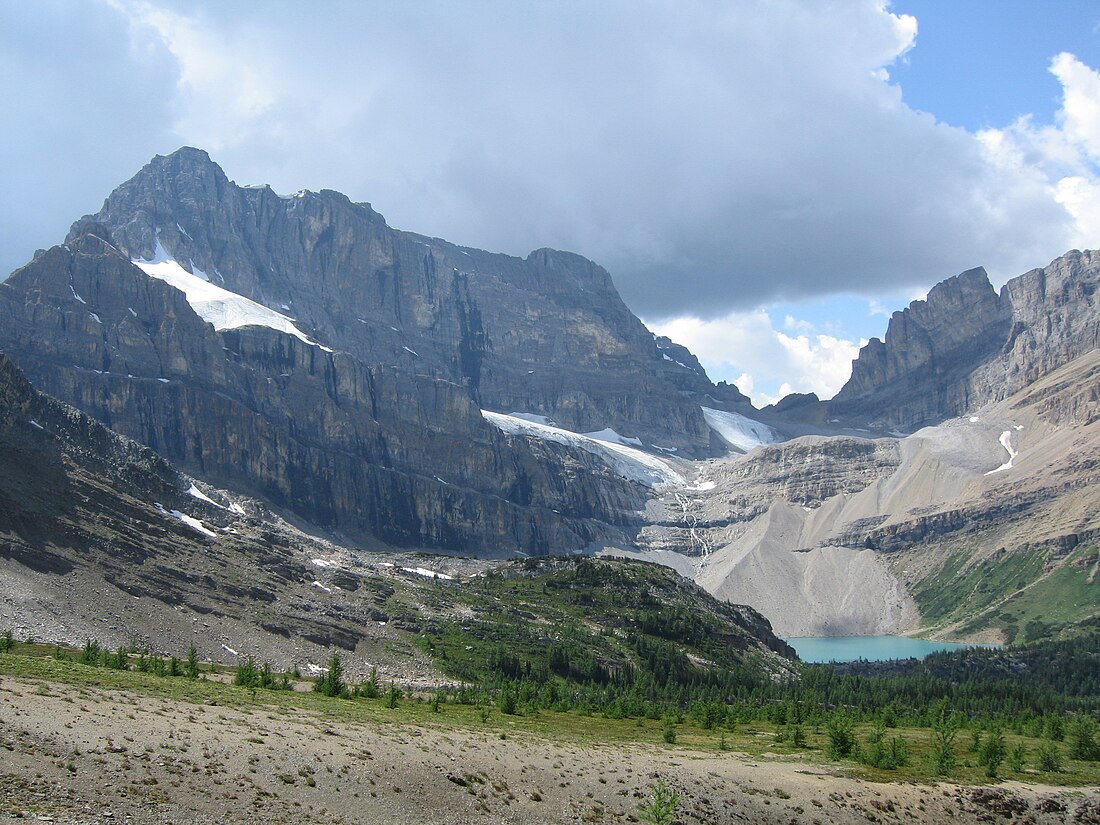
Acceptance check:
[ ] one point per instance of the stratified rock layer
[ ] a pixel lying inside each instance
(967, 345)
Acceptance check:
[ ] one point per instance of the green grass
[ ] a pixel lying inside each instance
(1012, 594)
(34, 664)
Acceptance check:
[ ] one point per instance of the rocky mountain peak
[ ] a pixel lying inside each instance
(302, 351)
(966, 344)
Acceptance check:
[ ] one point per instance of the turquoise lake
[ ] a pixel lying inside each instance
(870, 648)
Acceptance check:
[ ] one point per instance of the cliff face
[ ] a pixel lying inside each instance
(370, 450)
(966, 345)
(920, 373)
(547, 334)
(301, 350)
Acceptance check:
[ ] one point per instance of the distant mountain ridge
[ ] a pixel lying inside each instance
(967, 345)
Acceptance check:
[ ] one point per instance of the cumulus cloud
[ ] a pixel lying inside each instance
(224, 81)
(713, 156)
(764, 362)
(1063, 157)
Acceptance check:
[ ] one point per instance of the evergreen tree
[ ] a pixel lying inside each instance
(1082, 738)
(191, 666)
(842, 739)
(662, 806)
(992, 753)
(331, 683)
(945, 729)
(1048, 758)
(90, 654)
(507, 699)
(392, 695)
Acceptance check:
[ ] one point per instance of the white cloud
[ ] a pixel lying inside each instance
(1063, 158)
(225, 83)
(875, 307)
(713, 156)
(762, 361)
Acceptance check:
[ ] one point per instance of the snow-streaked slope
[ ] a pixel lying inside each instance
(739, 432)
(628, 462)
(215, 305)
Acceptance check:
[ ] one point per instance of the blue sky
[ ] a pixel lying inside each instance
(766, 180)
(983, 63)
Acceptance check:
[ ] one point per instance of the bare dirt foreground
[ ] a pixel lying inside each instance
(73, 754)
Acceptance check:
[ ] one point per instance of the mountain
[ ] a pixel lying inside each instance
(967, 345)
(102, 538)
(380, 390)
(985, 525)
(300, 350)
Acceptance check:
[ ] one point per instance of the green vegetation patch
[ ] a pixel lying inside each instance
(599, 623)
(1014, 593)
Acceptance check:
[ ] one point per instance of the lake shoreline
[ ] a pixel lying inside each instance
(826, 649)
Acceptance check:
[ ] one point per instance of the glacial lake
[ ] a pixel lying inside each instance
(817, 649)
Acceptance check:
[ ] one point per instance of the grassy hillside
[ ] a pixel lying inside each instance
(1027, 595)
(592, 622)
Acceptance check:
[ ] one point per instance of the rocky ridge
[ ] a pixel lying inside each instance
(966, 345)
(834, 536)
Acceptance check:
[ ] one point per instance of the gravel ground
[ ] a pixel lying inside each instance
(83, 755)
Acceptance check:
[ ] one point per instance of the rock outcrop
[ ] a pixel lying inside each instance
(967, 345)
(371, 451)
(547, 334)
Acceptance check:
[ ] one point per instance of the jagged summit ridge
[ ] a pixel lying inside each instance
(967, 345)
(547, 334)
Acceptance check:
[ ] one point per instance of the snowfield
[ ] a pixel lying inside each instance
(215, 305)
(739, 432)
(632, 464)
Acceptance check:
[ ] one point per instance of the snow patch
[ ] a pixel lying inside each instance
(36, 425)
(1006, 442)
(215, 305)
(424, 571)
(132, 311)
(73, 291)
(193, 523)
(534, 418)
(609, 435)
(737, 431)
(324, 563)
(974, 419)
(413, 352)
(630, 463)
(322, 587)
(230, 650)
(195, 492)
